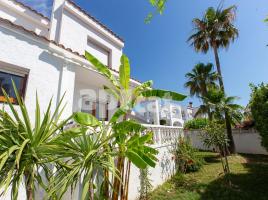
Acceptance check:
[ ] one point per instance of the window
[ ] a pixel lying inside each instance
(97, 109)
(6, 83)
(102, 53)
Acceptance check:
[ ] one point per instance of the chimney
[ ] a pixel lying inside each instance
(190, 105)
(56, 18)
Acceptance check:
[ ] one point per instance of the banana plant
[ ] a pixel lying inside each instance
(23, 145)
(85, 153)
(127, 97)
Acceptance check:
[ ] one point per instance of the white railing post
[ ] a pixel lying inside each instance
(164, 134)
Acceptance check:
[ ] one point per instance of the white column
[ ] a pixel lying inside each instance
(56, 19)
(156, 113)
(67, 83)
(170, 114)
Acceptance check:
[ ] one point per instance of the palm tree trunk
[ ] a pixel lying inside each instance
(227, 117)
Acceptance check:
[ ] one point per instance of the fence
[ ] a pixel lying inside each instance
(164, 138)
(246, 141)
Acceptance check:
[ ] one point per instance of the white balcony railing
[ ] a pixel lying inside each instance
(165, 135)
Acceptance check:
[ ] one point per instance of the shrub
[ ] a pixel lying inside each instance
(259, 109)
(197, 123)
(163, 122)
(213, 135)
(186, 158)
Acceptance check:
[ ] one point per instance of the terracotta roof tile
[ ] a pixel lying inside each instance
(95, 20)
(28, 7)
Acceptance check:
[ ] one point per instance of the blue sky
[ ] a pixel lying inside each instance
(158, 51)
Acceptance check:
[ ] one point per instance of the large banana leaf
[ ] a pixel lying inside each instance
(124, 72)
(104, 70)
(164, 94)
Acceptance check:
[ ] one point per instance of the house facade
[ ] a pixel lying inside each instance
(45, 56)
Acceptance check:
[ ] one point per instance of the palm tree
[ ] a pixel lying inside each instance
(200, 79)
(214, 31)
(218, 103)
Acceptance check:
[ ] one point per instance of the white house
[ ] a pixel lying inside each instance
(46, 56)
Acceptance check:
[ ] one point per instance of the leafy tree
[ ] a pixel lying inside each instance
(259, 109)
(214, 136)
(24, 148)
(218, 103)
(197, 123)
(159, 6)
(127, 98)
(214, 31)
(200, 79)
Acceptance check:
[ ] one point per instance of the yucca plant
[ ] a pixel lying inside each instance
(82, 155)
(127, 97)
(24, 150)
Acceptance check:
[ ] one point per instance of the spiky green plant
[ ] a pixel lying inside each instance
(24, 149)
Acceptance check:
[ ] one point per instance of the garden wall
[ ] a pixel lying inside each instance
(164, 169)
(246, 141)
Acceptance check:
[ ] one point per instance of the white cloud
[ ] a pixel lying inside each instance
(42, 6)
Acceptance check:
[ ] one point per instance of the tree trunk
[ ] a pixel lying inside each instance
(116, 183)
(29, 189)
(106, 183)
(127, 179)
(227, 117)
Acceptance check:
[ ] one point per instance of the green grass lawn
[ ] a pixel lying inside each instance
(249, 177)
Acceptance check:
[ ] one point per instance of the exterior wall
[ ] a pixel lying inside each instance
(246, 141)
(23, 16)
(75, 30)
(81, 34)
(164, 169)
(44, 68)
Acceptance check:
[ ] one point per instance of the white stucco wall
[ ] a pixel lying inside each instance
(164, 169)
(44, 68)
(23, 16)
(246, 141)
(80, 34)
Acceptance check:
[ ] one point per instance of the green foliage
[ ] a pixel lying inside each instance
(185, 157)
(159, 6)
(130, 144)
(214, 135)
(145, 184)
(259, 110)
(200, 79)
(214, 30)
(250, 180)
(218, 103)
(195, 124)
(163, 122)
(25, 147)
